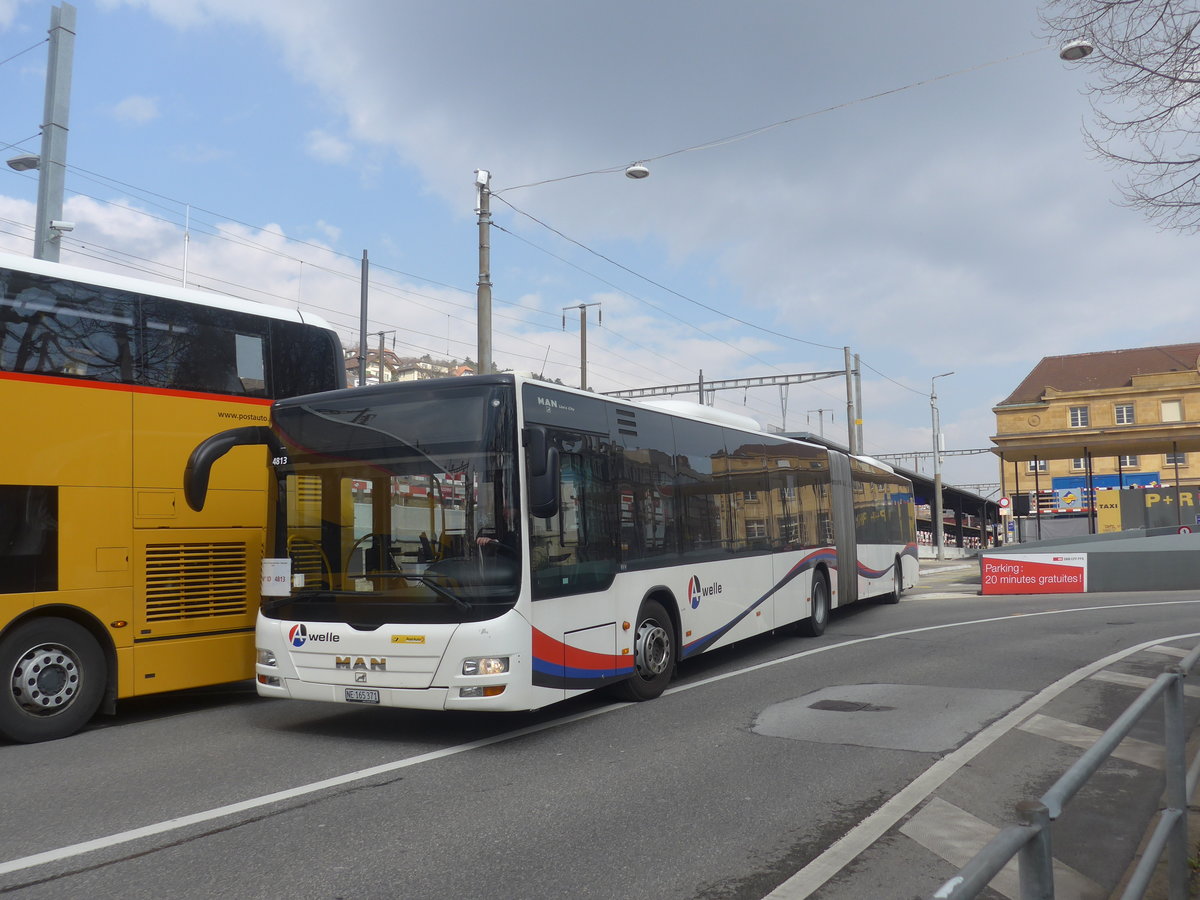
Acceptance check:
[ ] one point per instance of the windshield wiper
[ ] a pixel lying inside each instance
(459, 603)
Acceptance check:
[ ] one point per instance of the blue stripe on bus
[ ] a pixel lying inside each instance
(701, 644)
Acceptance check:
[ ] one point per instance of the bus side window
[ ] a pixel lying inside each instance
(212, 350)
(701, 489)
(573, 551)
(28, 538)
(62, 328)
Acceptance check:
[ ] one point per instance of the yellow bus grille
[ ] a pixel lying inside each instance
(192, 581)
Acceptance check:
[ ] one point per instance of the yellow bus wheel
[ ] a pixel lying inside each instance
(57, 675)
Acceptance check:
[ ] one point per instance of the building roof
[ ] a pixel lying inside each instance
(1106, 369)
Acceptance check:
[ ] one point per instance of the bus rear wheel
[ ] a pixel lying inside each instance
(653, 654)
(814, 625)
(56, 674)
(897, 583)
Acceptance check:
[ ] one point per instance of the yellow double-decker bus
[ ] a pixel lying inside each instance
(110, 585)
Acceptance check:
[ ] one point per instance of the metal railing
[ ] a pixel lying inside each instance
(1029, 841)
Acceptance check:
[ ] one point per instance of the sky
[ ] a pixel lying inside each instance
(905, 178)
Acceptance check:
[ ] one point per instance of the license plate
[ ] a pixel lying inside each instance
(361, 695)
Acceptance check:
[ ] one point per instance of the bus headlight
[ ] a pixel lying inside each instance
(485, 665)
(267, 657)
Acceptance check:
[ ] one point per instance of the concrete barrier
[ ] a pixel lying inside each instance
(1142, 560)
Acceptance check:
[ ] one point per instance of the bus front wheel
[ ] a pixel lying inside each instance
(56, 674)
(814, 625)
(653, 654)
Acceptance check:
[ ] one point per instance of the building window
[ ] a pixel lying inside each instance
(1037, 465)
(1124, 413)
(1080, 417)
(1175, 459)
(756, 528)
(1078, 464)
(1127, 462)
(1172, 410)
(750, 496)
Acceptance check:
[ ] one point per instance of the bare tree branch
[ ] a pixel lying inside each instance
(1144, 87)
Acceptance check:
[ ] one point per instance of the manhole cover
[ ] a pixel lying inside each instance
(848, 706)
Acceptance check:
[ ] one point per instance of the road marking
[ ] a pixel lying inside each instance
(1141, 682)
(1131, 750)
(133, 834)
(856, 841)
(956, 836)
(829, 862)
(1169, 651)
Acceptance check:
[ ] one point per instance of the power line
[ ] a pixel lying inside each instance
(743, 135)
(23, 52)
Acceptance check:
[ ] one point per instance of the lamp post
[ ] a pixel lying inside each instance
(52, 162)
(938, 528)
(483, 294)
(582, 307)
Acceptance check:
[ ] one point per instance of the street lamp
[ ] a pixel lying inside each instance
(1073, 51)
(483, 294)
(25, 162)
(938, 528)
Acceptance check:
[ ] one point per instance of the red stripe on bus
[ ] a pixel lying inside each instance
(130, 388)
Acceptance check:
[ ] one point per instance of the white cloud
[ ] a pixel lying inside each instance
(958, 225)
(325, 147)
(136, 109)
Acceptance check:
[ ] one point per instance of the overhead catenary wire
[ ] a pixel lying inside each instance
(752, 132)
(44, 40)
(706, 145)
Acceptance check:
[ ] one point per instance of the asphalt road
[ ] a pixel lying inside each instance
(854, 765)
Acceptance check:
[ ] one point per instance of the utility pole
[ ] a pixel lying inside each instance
(362, 325)
(381, 334)
(582, 307)
(821, 419)
(52, 163)
(483, 295)
(858, 407)
(851, 434)
(938, 525)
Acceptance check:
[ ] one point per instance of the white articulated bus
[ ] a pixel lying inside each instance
(499, 543)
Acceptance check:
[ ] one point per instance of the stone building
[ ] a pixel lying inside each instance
(1093, 421)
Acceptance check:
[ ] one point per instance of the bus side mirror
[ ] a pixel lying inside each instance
(544, 487)
(534, 439)
(200, 463)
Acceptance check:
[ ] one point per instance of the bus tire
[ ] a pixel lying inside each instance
(57, 674)
(897, 583)
(653, 654)
(814, 625)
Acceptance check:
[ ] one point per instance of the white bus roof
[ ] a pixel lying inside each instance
(157, 289)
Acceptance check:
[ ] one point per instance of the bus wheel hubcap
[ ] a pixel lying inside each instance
(46, 679)
(652, 650)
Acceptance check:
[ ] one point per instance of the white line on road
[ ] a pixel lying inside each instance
(874, 826)
(1082, 737)
(956, 836)
(934, 776)
(1140, 682)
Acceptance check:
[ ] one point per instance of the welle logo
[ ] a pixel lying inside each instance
(696, 590)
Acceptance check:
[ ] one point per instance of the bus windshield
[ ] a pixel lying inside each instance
(400, 504)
